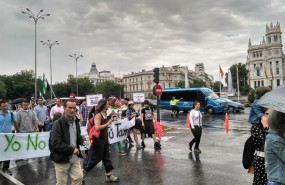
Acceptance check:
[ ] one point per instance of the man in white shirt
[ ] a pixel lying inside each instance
(57, 108)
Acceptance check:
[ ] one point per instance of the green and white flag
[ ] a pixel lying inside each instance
(41, 95)
(44, 84)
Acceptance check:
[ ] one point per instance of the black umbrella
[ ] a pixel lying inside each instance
(18, 100)
(274, 99)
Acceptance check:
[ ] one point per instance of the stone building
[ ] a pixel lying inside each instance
(98, 77)
(142, 82)
(265, 61)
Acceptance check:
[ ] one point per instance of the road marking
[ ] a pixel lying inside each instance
(12, 179)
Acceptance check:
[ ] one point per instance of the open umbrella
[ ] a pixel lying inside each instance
(18, 100)
(274, 99)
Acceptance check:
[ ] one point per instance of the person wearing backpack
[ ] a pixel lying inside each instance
(275, 149)
(258, 133)
(7, 120)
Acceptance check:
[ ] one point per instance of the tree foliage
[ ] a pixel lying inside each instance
(2, 90)
(109, 88)
(63, 89)
(242, 73)
(198, 83)
(216, 86)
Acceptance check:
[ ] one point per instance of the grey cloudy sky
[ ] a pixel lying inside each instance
(129, 35)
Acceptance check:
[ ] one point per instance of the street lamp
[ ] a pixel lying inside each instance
(50, 45)
(35, 18)
(76, 58)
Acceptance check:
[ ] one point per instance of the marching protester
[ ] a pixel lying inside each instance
(147, 117)
(7, 121)
(275, 148)
(131, 113)
(196, 126)
(41, 112)
(124, 108)
(259, 132)
(65, 138)
(27, 119)
(57, 108)
(256, 110)
(99, 150)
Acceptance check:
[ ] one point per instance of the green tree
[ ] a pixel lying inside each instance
(2, 90)
(109, 88)
(242, 73)
(19, 85)
(181, 84)
(216, 86)
(198, 83)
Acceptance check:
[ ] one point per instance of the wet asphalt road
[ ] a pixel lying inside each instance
(218, 164)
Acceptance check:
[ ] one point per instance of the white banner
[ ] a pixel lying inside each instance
(118, 131)
(92, 100)
(138, 97)
(32, 145)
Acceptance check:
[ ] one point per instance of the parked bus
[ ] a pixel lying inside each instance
(210, 102)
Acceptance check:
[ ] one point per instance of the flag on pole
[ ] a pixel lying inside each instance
(41, 95)
(221, 72)
(44, 84)
(265, 73)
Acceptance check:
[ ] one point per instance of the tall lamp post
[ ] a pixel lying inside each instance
(49, 44)
(35, 18)
(76, 58)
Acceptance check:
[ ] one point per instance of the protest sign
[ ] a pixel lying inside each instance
(92, 100)
(138, 97)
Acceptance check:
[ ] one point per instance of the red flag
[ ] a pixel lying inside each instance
(221, 71)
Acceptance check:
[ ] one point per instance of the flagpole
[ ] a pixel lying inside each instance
(237, 82)
(220, 79)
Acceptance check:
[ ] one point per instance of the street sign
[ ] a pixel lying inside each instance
(157, 90)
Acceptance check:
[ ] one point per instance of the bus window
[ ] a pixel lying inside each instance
(166, 96)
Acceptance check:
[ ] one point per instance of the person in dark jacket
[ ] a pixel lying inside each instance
(65, 138)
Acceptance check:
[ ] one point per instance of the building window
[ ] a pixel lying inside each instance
(253, 55)
(262, 83)
(254, 65)
(277, 67)
(275, 38)
(269, 39)
(278, 82)
(260, 54)
(258, 83)
(254, 84)
(256, 54)
(260, 64)
(257, 72)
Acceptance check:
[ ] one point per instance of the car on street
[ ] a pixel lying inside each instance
(234, 106)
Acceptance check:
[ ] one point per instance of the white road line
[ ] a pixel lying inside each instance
(12, 179)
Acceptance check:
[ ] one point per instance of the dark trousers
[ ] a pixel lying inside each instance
(6, 165)
(99, 151)
(197, 133)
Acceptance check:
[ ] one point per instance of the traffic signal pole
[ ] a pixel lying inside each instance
(156, 81)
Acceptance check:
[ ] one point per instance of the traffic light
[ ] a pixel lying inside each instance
(156, 75)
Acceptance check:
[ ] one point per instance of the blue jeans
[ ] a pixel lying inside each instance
(273, 183)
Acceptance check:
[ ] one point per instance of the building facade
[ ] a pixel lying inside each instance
(142, 82)
(98, 77)
(265, 61)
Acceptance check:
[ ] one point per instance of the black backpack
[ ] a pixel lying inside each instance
(248, 153)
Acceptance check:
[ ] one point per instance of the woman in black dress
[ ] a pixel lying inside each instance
(259, 132)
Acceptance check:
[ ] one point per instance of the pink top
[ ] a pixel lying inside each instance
(56, 109)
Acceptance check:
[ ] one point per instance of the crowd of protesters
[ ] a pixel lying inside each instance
(64, 119)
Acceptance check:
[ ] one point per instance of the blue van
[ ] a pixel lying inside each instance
(210, 102)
